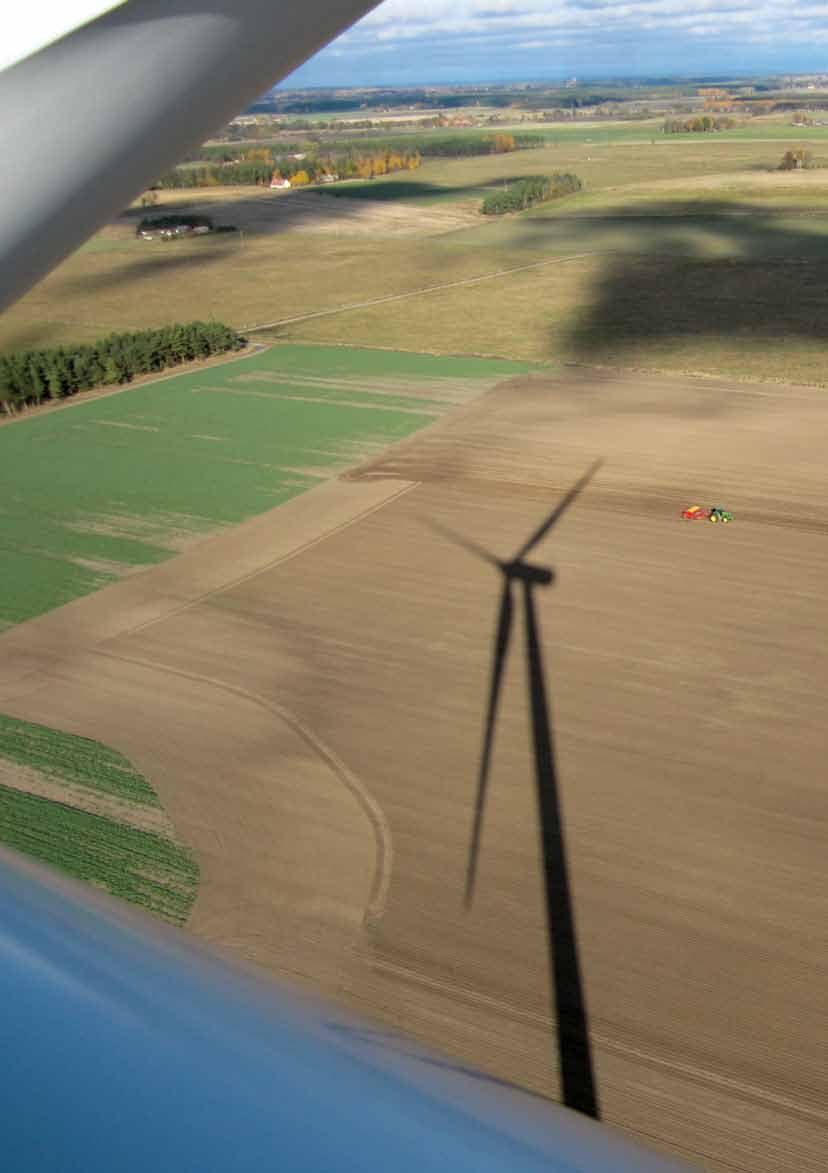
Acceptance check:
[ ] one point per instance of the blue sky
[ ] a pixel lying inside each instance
(406, 42)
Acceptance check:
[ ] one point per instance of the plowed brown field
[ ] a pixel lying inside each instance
(306, 692)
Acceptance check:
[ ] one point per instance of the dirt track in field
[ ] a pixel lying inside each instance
(306, 692)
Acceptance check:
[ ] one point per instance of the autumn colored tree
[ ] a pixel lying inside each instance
(503, 143)
(798, 159)
(258, 155)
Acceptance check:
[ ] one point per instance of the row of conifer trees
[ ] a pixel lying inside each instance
(31, 376)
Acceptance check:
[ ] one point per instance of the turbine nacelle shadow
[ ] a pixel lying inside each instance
(529, 574)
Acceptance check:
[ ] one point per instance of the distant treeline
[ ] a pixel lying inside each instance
(233, 174)
(534, 189)
(347, 158)
(239, 152)
(703, 124)
(330, 102)
(449, 146)
(323, 168)
(328, 168)
(30, 376)
(814, 102)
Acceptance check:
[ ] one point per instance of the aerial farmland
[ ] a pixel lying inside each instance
(244, 670)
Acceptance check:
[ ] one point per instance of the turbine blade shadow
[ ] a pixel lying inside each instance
(569, 1007)
(555, 515)
(465, 543)
(504, 628)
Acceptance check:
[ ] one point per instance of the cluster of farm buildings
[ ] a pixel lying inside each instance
(176, 230)
(279, 183)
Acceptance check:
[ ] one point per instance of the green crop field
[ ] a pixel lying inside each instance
(74, 804)
(100, 488)
(76, 762)
(142, 868)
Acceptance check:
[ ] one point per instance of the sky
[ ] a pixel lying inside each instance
(35, 24)
(406, 42)
(409, 42)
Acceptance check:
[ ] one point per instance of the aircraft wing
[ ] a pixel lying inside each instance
(92, 119)
(127, 1048)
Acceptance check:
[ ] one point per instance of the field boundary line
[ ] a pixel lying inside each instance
(358, 305)
(380, 826)
(343, 525)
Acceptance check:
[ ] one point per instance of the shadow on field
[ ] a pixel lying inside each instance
(724, 271)
(264, 212)
(415, 189)
(574, 1049)
(164, 260)
(30, 337)
(260, 214)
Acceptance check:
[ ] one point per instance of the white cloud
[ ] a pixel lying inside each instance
(398, 20)
(416, 41)
(35, 24)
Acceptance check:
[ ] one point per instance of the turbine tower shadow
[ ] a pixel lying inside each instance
(568, 1003)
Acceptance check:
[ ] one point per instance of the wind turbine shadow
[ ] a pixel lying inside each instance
(574, 1048)
(575, 1064)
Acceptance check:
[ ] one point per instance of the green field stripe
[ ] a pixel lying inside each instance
(136, 866)
(75, 760)
(133, 478)
(345, 397)
(353, 361)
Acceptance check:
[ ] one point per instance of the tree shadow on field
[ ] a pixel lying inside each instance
(261, 212)
(727, 272)
(260, 215)
(416, 189)
(29, 337)
(164, 261)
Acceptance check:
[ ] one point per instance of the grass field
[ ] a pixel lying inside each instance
(82, 808)
(117, 483)
(739, 248)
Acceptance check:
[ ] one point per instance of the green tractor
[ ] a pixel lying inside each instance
(718, 514)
